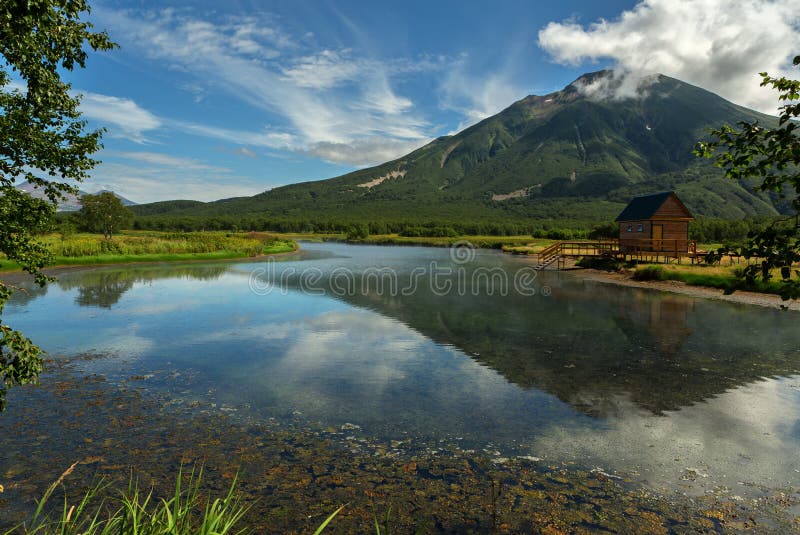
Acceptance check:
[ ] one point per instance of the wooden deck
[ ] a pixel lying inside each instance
(642, 250)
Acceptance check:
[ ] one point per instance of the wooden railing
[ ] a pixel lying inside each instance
(554, 252)
(589, 248)
(643, 247)
(548, 255)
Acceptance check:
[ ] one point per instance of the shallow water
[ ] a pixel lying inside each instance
(467, 348)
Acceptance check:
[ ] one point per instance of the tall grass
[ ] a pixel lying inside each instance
(139, 513)
(77, 245)
(80, 249)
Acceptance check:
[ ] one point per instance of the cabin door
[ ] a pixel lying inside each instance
(658, 235)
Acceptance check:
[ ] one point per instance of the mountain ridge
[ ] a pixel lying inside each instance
(70, 203)
(560, 155)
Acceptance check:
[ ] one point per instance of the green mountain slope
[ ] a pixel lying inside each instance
(558, 156)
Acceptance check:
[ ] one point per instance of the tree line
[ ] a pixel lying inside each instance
(704, 230)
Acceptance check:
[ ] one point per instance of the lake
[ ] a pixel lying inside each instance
(409, 353)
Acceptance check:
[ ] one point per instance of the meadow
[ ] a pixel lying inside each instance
(149, 246)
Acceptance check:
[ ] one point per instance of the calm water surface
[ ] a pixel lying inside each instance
(674, 391)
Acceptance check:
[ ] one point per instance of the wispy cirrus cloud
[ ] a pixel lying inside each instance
(167, 160)
(253, 61)
(720, 45)
(244, 151)
(145, 176)
(364, 152)
(263, 138)
(477, 97)
(122, 116)
(324, 70)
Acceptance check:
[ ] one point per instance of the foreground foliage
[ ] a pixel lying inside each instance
(136, 512)
(773, 156)
(42, 135)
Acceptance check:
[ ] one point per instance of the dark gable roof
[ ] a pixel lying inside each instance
(646, 206)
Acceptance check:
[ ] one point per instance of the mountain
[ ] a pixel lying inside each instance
(70, 203)
(566, 155)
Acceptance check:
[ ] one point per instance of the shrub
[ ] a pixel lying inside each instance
(649, 273)
(593, 262)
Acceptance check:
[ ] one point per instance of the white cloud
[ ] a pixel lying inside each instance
(365, 152)
(324, 70)
(153, 176)
(167, 160)
(477, 97)
(123, 116)
(618, 85)
(254, 66)
(244, 151)
(720, 45)
(268, 139)
(378, 96)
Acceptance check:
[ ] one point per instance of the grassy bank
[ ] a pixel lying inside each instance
(721, 277)
(92, 249)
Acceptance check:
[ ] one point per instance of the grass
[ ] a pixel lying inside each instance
(721, 277)
(92, 249)
(136, 512)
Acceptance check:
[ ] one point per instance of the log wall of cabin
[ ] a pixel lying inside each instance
(674, 230)
(675, 234)
(634, 234)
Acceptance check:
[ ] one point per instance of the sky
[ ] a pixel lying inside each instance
(206, 99)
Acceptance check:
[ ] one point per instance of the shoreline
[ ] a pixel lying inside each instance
(678, 287)
(16, 275)
(767, 300)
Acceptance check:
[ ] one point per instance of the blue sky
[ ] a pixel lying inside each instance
(206, 100)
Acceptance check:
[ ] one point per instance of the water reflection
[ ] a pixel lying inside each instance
(662, 325)
(590, 372)
(104, 287)
(590, 343)
(105, 294)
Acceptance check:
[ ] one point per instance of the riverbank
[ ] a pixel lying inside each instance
(154, 247)
(626, 278)
(147, 247)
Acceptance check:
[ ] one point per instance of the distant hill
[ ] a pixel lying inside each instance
(70, 203)
(558, 156)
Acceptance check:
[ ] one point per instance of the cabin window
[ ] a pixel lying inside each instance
(630, 228)
(640, 227)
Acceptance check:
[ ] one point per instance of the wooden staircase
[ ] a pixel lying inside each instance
(548, 256)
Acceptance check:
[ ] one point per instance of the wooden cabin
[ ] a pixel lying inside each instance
(655, 223)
